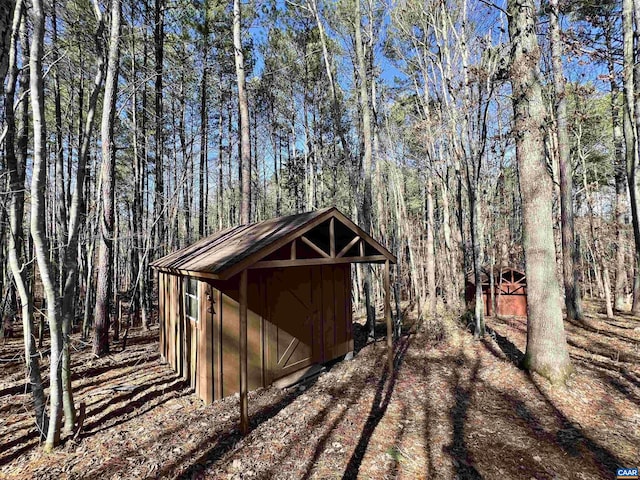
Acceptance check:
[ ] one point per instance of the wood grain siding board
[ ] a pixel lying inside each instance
(387, 314)
(161, 319)
(170, 325)
(217, 344)
(349, 308)
(244, 337)
(184, 333)
(341, 327)
(254, 334)
(230, 346)
(209, 351)
(328, 313)
(177, 301)
(316, 301)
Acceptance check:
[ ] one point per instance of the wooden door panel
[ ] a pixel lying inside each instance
(291, 315)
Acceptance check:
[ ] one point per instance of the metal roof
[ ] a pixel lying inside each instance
(228, 251)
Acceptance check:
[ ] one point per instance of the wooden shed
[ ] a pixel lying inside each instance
(510, 290)
(251, 304)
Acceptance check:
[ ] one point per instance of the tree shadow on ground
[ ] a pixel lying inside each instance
(462, 459)
(167, 387)
(344, 395)
(129, 404)
(578, 325)
(570, 437)
(223, 439)
(378, 409)
(572, 440)
(91, 372)
(508, 348)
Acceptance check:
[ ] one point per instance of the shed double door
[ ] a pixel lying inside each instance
(306, 317)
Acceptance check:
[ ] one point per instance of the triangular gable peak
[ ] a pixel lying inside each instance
(317, 238)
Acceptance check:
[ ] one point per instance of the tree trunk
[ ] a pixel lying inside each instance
(474, 206)
(620, 180)
(38, 215)
(431, 252)
(16, 158)
(105, 249)
(630, 138)
(607, 287)
(60, 195)
(546, 351)
(204, 122)
(7, 9)
(159, 209)
(573, 301)
(243, 104)
(367, 160)
(70, 270)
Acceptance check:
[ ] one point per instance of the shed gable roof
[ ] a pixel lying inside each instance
(229, 251)
(507, 274)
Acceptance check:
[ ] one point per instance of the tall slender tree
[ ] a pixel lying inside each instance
(16, 162)
(571, 286)
(107, 172)
(367, 155)
(631, 140)
(74, 220)
(38, 216)
(243, 105)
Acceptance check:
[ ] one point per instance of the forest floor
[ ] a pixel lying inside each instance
(455, 409)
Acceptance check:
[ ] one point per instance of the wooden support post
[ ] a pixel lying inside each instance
(244, 406)
(293, 249)
(387, 314)
(332, 237)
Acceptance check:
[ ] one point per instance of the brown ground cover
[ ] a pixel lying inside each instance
(456, 409)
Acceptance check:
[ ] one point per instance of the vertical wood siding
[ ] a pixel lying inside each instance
(297, 316)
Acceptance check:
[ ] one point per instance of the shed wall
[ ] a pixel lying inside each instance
(296, 316)
(507, 304)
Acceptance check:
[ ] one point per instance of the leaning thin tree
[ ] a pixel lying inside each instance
(547, 351)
